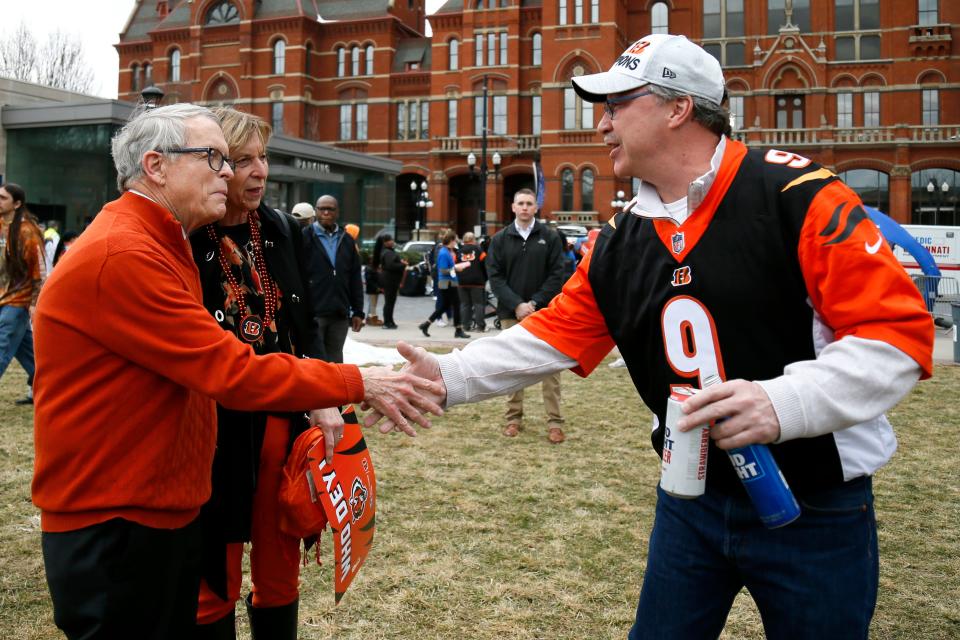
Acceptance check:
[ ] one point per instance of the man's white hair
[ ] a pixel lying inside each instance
(151, 130)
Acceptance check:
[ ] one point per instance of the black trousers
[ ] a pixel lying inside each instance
(389, 302)
(447, 298)
(119, 580)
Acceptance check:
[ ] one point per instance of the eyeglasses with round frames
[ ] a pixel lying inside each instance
(215, 157)
(610, 103)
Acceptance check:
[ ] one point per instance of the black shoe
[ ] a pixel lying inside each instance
(272, 623)
(24, 401)
(390, 326)
(423, 328)
(460, 334)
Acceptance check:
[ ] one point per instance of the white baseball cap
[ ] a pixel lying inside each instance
(668, 61)
(303, 211)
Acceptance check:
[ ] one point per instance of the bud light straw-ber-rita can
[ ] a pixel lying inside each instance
(683, 472)
(763, 480)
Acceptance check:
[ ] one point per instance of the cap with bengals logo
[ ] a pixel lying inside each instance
(668, 61)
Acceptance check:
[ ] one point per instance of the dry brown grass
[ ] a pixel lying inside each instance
(484, 537)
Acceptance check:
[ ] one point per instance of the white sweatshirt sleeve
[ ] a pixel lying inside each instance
(500, 365)
(851, 381)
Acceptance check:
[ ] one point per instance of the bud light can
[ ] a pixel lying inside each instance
(765, 484)
(683, 472)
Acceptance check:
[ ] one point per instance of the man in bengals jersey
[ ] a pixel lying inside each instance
(761, 268)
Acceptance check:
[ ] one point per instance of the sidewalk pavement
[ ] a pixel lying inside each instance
(411, 311)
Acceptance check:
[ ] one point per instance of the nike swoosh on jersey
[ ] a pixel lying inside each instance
(873, 248)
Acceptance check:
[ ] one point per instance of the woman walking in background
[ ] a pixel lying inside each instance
(22, 270)
(392, 268)
(445, 286)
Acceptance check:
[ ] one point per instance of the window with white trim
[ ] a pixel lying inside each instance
(535, 115)
(660, 18)
(736, 113)
(478, 50)
(452, 105)
(354, 60)
(928, 12)
(537, 58)
(276, 117)
(871, 109)
(279, 57)
(931, 107)
(362, 121)
(346, 121)
(175, 66)
(844, 110)
(858, 16)
(369, 59)
(562, 12)
(341, 62)
(453, 49)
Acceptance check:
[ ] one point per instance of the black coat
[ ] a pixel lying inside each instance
(227, 516)
(334, 292)
(476, 274)
(391, 269)
(524, 270)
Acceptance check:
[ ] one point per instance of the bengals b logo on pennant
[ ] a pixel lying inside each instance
(681, 277)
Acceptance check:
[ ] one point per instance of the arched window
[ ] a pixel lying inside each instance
(562, 12)
(537, 59)
(222, 13)
(566, 190)
(660, 18)
(368, 58)
(135, 77)
(279, 56)
(308, 54)
(586, 190)
(355, 61)
(341, 61)
(147, 74)
(577, 113)
(454, 50)
(872, 186)
(175, 65)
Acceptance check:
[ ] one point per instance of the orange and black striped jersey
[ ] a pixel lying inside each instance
(779, 254)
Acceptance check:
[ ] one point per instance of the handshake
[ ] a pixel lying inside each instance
(395, 399)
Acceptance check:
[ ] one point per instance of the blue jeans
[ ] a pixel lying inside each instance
(814, 578)
(16, 339)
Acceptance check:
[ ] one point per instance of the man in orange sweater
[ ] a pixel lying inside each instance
(130, 365)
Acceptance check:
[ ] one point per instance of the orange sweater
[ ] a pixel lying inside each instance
(129, 364)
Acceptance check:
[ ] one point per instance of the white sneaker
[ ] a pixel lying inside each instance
(441, 323)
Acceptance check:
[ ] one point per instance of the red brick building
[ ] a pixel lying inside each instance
(870, 88)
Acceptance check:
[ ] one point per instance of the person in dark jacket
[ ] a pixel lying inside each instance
(244, 260)
(392, 268)
(473, 284)
(336, 284)
(525, 266)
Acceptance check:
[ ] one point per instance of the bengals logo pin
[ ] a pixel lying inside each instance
(681, 277)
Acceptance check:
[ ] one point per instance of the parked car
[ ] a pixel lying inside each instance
(575, 233)
(422, 247)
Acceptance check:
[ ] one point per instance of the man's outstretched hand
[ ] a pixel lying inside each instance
(424, 366)
(401, 396)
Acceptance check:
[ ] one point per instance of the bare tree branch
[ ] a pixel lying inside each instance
(60, 62)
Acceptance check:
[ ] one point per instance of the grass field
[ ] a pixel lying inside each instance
(483, 537)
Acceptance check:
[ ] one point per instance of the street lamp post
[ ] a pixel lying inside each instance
(421, 200)
(151, 96)
(619, 203)
(931, 189)
(484, 170)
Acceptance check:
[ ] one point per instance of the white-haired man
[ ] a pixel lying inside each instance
(131, 364)
(758, 267)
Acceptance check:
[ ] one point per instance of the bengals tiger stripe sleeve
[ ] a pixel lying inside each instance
(855, 283)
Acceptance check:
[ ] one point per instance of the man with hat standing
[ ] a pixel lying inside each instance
(303, 212)
(758, 267)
